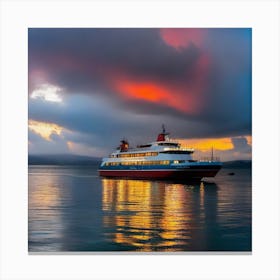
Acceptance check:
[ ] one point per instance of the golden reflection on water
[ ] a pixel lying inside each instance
(43, 192)
(149, 215)
(44, 198)
(201, 199)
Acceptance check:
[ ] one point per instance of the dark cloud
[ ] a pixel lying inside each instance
(241, 145)
(139, 52)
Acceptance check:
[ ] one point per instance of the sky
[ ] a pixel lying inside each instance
(89, 88)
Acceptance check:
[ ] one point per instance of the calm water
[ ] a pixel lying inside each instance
(72, 209)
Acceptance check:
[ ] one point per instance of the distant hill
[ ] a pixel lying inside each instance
(63, 159)
(238, 164)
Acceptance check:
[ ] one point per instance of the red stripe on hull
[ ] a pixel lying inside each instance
(150, 174)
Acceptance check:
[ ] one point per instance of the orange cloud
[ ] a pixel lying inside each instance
(44, 129)
(249, 140)
(182, 100)
(207, 144)
(182, 37)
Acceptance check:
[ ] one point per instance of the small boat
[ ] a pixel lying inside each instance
(162, 159)
(231, 173)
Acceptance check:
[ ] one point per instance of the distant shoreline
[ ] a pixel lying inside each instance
(77, 160)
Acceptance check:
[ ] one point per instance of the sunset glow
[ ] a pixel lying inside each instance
(207, 144)
(44, 129)
(249, 140)
(156, 93)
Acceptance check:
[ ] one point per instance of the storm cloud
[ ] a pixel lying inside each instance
(126, 82)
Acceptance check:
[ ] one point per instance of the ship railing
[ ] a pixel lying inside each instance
(178, 148)
(165, 148)
(209, 159)
(136, 149)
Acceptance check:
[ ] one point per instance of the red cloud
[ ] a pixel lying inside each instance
(181, 37)
(177, 98)
(186, 96)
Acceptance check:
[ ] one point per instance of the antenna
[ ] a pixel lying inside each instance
(212, 154)
(163, 129)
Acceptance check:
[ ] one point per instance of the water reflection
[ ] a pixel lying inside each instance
(157, 215)
(72, 209)
(44, 198)
(64, 210)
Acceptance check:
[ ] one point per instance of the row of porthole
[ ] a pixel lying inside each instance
(159, 162)
(147, 154)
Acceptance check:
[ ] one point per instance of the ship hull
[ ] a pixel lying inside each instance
(187, 173)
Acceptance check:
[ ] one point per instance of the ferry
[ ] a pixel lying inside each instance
(162, 159)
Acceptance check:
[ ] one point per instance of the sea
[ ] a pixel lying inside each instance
(72, 209)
